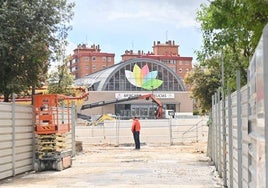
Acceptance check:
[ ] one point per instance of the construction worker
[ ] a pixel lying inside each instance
(136, 132)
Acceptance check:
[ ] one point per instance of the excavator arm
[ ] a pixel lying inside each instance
(158, 114)
(102, 103)
(159, 111)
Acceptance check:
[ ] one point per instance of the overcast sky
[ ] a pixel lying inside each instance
(119, 25)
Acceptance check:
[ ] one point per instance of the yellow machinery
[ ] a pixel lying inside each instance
(101, 119)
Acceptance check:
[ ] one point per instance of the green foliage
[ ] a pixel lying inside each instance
(196, 112)
(60, 81)
(30, 32)
(231, 31)
(204, 83)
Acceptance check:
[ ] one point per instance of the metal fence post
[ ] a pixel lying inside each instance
(170, 132)
(209, 141)
(214, 130)
(13, 108)
(214, 133)
(219, 135)
(73, 122)
(239, 132)
(230, 136)
(117, 121)
(224, 139)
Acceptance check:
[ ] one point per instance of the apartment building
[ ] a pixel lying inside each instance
(87, 60)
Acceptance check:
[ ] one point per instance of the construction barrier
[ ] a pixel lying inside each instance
(17, 139)
(238, 134)
(153, 131)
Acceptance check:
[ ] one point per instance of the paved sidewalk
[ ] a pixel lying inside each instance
(184, 166)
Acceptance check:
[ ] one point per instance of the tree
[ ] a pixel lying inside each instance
(60, 81)
(204, 82)
(231, 31)
(30, 31)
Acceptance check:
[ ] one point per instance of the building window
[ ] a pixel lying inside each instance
(74, 69)
(187, 62)
(93, 58)
(103, 59)
(180, 63)
(109, 59)
(86, 67)
(86, 59)
(119, 82)
(180, 70)
(103, 66)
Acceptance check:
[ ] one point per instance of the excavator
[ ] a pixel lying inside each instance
(158, 114)
(101, 119)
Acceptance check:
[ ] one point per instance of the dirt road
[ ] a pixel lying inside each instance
(108, 166)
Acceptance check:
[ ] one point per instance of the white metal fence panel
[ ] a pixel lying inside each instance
(229, 140)
(246, 125)
(244, 122)
(162, 131)
(235, 142)
(16, 139)
(257, 117)
(221, 151)
(189, 130)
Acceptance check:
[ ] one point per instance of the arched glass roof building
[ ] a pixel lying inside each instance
(134, 77)
(140, 74)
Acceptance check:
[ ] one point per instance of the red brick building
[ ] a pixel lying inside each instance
(168, 54)
(87, 60)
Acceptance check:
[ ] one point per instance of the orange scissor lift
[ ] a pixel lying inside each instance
(52, 124)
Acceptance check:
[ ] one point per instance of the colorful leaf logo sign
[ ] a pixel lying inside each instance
(143, 78)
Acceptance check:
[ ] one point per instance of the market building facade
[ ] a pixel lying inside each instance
(136, 76)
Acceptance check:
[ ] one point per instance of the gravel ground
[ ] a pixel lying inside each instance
(109, 166)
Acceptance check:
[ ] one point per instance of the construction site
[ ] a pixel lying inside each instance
(52, 138)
